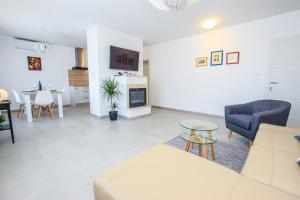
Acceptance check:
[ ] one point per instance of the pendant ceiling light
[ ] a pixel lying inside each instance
(172, 5)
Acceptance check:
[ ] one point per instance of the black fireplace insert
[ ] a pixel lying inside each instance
(137, 97)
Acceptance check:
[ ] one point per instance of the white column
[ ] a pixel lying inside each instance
(94, 69)
(28, 107)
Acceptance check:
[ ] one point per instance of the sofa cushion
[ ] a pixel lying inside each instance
(273, 167)
(248, 189)
(242, 120)
(162, 173)
(276, 137)
(259, 164)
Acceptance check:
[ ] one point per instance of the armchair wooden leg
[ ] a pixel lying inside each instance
(229, 133)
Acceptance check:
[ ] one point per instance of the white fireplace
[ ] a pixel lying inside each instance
(134, 99)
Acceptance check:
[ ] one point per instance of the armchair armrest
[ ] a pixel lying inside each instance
(276, 117)
(238, 109)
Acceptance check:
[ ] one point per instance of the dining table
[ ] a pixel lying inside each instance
(27, 98)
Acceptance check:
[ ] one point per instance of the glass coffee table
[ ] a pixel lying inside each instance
(199, 132)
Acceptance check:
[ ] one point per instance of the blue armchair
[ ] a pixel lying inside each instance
(244, 119)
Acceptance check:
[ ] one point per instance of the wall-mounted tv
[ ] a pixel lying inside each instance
(124, 59)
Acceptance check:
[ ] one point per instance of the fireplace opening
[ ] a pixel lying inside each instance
(137, 97)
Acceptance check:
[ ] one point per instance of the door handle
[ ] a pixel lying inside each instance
(274, 83)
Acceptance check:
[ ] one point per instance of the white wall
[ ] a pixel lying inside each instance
(99, 41)
(15, 74)
(176, 83)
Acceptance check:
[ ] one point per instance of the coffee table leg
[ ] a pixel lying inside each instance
(206, 151)
(186, 146)
(192, 134)
(212, 151)
(200, 150)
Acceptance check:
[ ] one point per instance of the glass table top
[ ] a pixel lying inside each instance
(198, 131)
(198, 138)
(199, 125)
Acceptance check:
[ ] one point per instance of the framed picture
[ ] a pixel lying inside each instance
(34, 63)
(216, 58)
(201, 62)
(232, 58)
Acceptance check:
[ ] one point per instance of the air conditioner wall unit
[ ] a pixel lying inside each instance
(31, 45)
(26, 45)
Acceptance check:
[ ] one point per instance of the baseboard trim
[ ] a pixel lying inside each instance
(187, 111)
(122, 117)
(137, 117)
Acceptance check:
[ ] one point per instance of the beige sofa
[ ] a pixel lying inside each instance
(164, 172)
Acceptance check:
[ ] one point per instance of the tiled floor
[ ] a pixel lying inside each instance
(57, 159)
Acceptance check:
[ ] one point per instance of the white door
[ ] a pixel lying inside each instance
(284, 74)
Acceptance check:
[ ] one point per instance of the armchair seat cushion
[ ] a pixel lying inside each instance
(242, 120)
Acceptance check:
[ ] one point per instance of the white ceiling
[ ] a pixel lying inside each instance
(64, 21)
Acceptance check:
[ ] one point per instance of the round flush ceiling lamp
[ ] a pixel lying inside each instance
(172, 5)
(209, 24)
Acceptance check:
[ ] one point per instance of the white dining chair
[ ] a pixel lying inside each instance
(20, 102)
(44, 100)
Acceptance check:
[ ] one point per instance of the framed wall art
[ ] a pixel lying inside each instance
(34, 63)
(233, 58)
(216, 58)
(201, 62)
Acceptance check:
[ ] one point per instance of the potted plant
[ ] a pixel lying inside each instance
(111, 92)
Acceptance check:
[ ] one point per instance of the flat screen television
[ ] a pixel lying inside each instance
(124, 59)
